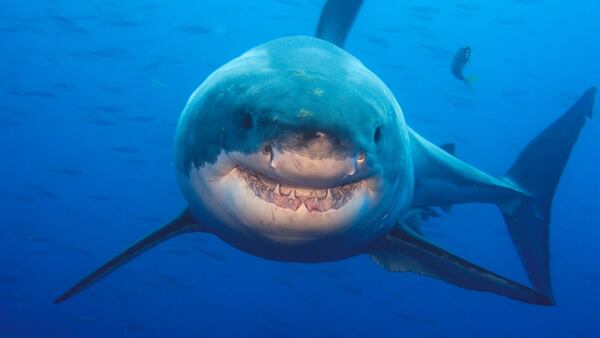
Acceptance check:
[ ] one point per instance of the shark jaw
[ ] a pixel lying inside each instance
(249, 202)
(314, 199)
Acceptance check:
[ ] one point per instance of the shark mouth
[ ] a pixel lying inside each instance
(292, 197)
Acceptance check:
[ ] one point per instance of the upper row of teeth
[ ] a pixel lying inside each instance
(335, 193)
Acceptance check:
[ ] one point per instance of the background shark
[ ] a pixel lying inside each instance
(295, 151)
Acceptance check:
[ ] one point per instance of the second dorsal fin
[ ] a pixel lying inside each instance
(450, 148)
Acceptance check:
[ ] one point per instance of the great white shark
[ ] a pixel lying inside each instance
(295, 151)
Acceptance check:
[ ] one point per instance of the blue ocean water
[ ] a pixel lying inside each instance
(90, 95)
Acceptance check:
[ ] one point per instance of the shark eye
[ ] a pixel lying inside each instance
(248, 122)
(377, 134)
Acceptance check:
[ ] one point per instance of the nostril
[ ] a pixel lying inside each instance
(361, 158)
(267, 149)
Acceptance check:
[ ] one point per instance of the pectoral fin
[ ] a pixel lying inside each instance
(182, 224)
(405, 251)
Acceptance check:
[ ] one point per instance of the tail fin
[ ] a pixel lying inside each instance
(336, 20)
(537, 171)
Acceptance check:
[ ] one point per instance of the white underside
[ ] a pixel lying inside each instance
(229, 199)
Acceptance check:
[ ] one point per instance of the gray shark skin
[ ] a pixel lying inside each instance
(295, 151)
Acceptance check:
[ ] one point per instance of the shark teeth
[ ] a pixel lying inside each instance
(291, 197)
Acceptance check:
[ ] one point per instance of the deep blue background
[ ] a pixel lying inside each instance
(90, 92)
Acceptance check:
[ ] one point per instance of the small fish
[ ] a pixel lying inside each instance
(81, 252)
(213, 255)
(414, 318)
(149, 219)
(107, 108)
(111, 89)
(7, 279)
(460, 101)
(436, 52)
(122, 23)
(68, 24)
(461, 58)
(19, 197)
(152, 65)
(109, 52)
(33, 238)
(194, 29)
(283, 282)
(377, 41)
(44, 192)
(137, 161)
(131, 325)
(33, 93)
(98, 197)
(125, 149)
(9, 123)
(391, 29)
(467, 7)
(292, 3)
(269, 332)
(178, 252)
(82, 318)
(16, 296)
(100, 121)
(420, 16)
(593, 277)
(422, 9)
(67, 171)
(350, 289)
(510, 22)
(334, 275)
(140, 118)
(167, 278)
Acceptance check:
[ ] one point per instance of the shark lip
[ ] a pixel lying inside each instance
(293, 197)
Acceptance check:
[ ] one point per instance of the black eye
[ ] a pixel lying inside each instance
(248, 122)
(377, 134)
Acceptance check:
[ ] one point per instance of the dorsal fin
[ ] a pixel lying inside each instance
(181, 224)
(336, 20)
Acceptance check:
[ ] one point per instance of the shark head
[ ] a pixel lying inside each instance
(294, 150)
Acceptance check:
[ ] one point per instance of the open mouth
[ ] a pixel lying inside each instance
(292, 197)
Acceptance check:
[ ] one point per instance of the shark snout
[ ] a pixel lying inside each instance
(321, 161)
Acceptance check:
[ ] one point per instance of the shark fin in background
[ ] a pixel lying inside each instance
(405, 251)
(336, 20)
(415, 216)
(450, 148)
(181, 224)
(537, 171)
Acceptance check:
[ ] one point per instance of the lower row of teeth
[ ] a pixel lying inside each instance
(292, 198)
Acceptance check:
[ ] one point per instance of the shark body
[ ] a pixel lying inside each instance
(295, 151)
